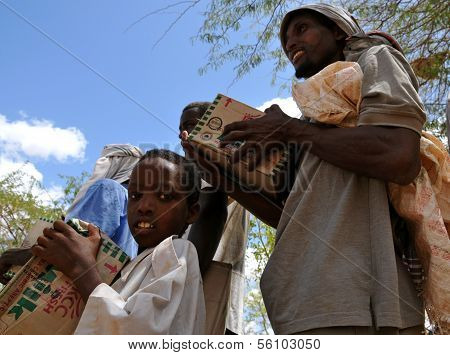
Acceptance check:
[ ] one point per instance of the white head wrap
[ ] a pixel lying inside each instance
(341, 17)
(116, 162)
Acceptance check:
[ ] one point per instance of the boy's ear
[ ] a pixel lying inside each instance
(193, 213)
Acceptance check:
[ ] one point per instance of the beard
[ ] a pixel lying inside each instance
(308, 68)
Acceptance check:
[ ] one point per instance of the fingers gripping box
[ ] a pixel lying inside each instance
(207, 136)
(42, 300)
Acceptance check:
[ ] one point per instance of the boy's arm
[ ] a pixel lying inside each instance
(205, 233)
(72, 254)
(258, 204)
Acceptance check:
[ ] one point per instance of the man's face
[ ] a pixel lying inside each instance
(157, 205)
(311, 46)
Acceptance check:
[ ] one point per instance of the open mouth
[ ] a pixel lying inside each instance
(145, 225)
(297, 55)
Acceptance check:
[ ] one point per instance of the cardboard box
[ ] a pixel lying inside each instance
(41, 300)
(207, 135)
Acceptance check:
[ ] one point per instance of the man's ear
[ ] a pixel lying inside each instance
(339, 35)
(193, 213)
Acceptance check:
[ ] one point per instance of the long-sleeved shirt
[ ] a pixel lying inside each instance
(159, 292)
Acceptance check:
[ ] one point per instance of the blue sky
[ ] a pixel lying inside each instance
(58, 114)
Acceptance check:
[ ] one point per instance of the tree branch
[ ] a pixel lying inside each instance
(156, 12)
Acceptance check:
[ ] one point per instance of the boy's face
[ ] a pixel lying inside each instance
(157, 204)
(189, 119)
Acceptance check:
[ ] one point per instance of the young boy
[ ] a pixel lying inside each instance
(160, 291)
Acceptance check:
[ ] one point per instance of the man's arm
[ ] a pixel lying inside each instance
(386, 153)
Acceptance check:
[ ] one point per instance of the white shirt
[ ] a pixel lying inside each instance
(159, 292)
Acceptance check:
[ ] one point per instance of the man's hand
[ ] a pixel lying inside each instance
(71, 253)
(387, 153)
(12, 257)
(261, 135)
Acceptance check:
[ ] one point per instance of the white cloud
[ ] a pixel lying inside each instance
(48, 195)
(41, 139)
(29, 175)
(26, 139)
(287, 104)
(8, 166)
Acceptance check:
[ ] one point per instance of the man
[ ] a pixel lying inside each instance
(334, 269)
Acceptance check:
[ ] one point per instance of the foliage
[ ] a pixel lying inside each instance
(261, 241)
(421, 28)
(255, 315)
(259, 19)
(245, 33)
(23, 200)
(436, 122)
(71, 187)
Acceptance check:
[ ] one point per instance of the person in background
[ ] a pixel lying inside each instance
(223, 242)
(103, 199)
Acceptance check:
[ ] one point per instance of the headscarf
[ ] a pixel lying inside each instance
(341, 17)
(116, 162)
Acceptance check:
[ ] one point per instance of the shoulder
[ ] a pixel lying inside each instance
(109, 189)
(381, 52)
(386, 61)
(174, 252)
(362, 49)
(107, 184)
(187, 254)
(184, 247)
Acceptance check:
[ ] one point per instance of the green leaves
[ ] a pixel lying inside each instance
(245, 33)
(241, 32)
(261, 241)
(421, 28)
(21, 204)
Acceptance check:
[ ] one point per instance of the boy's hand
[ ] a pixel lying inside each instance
(11, 257)
(71, 253)
(210, 171)
(261, 135)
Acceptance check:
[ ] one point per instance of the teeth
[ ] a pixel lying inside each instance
(145, 225)
(297, 55)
